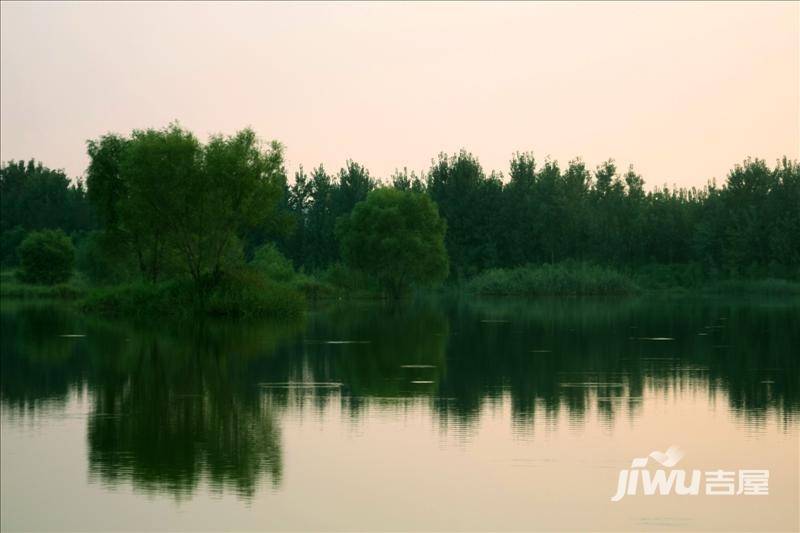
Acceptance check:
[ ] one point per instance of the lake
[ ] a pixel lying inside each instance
(439, 414)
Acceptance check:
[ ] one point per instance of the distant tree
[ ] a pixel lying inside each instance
(471, 204)
(519, 217)
(406, 181)
(10, 239)
(34, 197)
(354, 185)
(320, 243)
(396, 236)
(784, 225)
(46, 257)
(299, 197)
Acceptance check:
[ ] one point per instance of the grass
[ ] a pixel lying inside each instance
(768, 286)
(557, 279)
(11, 287)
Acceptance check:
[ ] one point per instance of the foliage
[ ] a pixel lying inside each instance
(9, 242)
(563, 278)
(11, 287)
(349, 281)
(46, 257)
(103, 259)
(269, 261)
(469, 201)
(316, 202)
(240, 292)
(166, 193)
(396, 236)
(247, 292)
(172, 208)
(767, 286)
(35, 197)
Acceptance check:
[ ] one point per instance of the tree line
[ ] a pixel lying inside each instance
(542, 213)
(165, 202)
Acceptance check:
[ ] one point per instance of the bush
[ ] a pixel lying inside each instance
(104, 259)
(268, 260)
(562, 278)
(141, 299)
(315, 289)
(768, 287)
(240, 292)
(248, 292)
(348, 280)
(12, 288)
(661, 276)
(46, 257)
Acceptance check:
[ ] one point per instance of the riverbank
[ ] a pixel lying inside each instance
(582, 279)
(246, 293)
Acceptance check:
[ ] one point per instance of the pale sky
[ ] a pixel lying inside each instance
(681, 90)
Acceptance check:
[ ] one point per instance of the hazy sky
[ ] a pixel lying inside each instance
(681, 90)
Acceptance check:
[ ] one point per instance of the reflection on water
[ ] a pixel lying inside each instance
(209, 408)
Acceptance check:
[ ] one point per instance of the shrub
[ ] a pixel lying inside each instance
(268, 260)
(240, 292)
(46, 257)
(314, 288)
(347, 282)
(768, 287)
(562, 278)
(141, 299)
(248, 292)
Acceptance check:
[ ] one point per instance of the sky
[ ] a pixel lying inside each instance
(681, 90)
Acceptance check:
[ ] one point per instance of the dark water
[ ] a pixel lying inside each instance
(434, 415)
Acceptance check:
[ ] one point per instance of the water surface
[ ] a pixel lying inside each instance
(444, 414)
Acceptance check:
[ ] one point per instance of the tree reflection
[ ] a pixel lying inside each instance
(176, 406)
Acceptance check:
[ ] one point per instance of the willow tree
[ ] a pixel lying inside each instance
(397, 237)
(169, 194)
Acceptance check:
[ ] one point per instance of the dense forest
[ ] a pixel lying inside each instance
(159, 202)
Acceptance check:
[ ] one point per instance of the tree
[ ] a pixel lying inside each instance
(236, 189)
(34, 197)
(171, 196)
(159, 173)
(396, 236)
(471, 204)
(103, 181)
(320, 242)
(46, 257)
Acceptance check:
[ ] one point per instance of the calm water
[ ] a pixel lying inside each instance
(432, 415)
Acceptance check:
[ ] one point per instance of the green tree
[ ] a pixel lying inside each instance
(34, 197)
(105, 186)
(46, 257)
(175, 199)
(236, 189)
(396, 236)
(470, 203)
